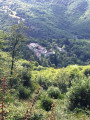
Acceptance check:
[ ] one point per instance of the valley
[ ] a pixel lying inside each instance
(44, 59)
(60, 22)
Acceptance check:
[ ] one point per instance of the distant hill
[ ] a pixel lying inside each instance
(48, 18)
(65, 23)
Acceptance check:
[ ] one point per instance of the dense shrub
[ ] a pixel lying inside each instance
(61, 96)
(36, 117)
(44, 82)
(24, 93)
(62, 81)
(79, 94)
(26, 78)
(87, 72)
(46, 103)
(53, 92)
(40, 68)
(16, 81)
(27, 65)
(74, 73)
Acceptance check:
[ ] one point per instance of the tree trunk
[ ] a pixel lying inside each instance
(12, 62)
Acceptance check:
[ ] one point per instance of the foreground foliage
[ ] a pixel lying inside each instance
(35, 89)
(79, 94)
(71, 104)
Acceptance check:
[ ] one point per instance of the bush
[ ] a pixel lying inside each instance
(27, 65)
(53, 92)
(44, 82)
(79, 94)
(46, 103)
(24, 93)
(74, 73)
(23, 78)
(87, 72)
(16, 81)
(26, 79)
(36, 117)
(62, 81)
(61, 96)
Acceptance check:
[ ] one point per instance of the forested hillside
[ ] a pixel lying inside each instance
(61, 22)
(48, 19)
(33, 92)
(44, 60)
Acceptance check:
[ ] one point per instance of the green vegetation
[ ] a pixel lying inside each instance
(53, 92)
(69, 87)
(48, 19)
(61, 22)
(24, 93)
(46, 103)
(56, 84)
(79, 94)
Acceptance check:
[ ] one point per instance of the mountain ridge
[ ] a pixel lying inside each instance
(56, 19)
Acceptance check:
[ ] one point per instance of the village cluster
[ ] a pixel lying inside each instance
(40, 50)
